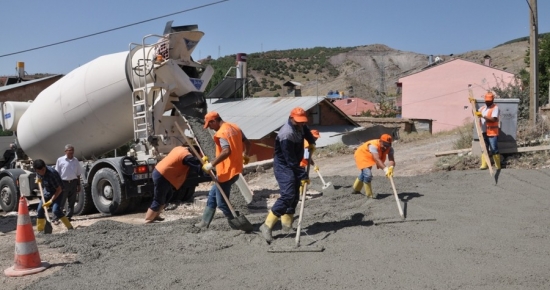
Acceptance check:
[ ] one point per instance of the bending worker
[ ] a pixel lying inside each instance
(52, 186)
(289, 150)
(489, 115)
(373, 152)
(170, 172)
(232, 149)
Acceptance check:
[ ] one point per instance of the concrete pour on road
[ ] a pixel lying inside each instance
(471, 234)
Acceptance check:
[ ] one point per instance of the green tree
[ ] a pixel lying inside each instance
(543, 67)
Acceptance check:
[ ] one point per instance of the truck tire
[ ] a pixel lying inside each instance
(84, 202)
(8, 195)
(107, 192)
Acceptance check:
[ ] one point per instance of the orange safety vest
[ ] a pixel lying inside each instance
(303, 163)
(363, 157)
(491, 127)
(233, 164)
(172, 167)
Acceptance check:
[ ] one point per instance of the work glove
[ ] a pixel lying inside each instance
(316, 168)
(471, 100)
(304, 181)
(246, 159)
(479, 114)
(204, 159)
(47, 204)
(207, 167)
(388, 171)
(311, 148)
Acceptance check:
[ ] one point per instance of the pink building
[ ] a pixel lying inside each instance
(355, 106)
(440, 93)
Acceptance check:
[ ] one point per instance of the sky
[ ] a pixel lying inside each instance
(437, 27)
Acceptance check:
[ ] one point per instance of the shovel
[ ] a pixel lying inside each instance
(239, 221)
(48, 227)
(325, 184)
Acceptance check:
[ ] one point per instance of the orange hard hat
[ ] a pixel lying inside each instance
(489, 97)
(315, 133)
(386, 138)
(211, 116)
(299, 115)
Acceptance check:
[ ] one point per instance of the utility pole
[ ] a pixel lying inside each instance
(533, 60)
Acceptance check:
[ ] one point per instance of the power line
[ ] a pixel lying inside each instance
(113, 29)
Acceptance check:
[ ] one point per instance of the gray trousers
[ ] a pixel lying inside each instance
(69, 196)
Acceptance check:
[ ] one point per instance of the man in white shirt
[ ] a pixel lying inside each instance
(70, 170)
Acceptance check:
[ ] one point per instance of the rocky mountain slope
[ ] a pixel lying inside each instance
(363, 71)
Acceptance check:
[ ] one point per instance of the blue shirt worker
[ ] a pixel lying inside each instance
(70, 170)
(289, 150)
(52, 186)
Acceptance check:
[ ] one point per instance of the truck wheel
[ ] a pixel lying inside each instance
(8, 195)
(107, 192)
(84, 202)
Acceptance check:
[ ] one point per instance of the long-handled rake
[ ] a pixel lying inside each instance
(297, 247)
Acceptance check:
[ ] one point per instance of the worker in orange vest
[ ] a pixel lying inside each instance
(373, 152)
(232, 149)
(316, 136)
(170, 173)
(489, 115)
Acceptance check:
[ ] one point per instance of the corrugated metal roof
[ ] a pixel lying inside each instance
(6, 88)
(258, 117)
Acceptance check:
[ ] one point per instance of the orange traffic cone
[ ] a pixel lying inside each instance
(27, 258)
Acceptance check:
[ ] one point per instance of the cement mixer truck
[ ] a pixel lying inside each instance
(134, 96)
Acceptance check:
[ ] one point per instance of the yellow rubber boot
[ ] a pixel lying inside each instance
(66, 222)
(368, 190)
(483, 163)
(286, 222)
(267, 227)
(357, 186)
(496, 158)
(40, 224)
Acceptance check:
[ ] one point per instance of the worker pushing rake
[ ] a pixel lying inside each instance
(291, 177)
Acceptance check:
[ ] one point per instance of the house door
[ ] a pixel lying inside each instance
(315, 114)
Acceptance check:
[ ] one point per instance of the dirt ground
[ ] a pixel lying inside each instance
(461, 231)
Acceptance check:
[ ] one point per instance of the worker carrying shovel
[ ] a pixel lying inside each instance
(232, 149)
(489, 115)
(289, 150)
(373, 152)
(53, 187)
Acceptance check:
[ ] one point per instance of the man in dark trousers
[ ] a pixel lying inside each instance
(52, 186)
(289, 151)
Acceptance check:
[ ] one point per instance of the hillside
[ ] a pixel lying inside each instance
(362, 71)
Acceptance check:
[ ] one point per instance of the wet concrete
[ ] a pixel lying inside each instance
(468, 234)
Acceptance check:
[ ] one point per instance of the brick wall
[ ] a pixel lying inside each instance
(27, 92)
(330, 117)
